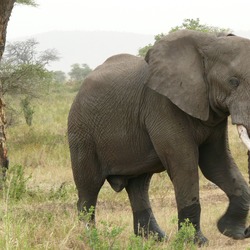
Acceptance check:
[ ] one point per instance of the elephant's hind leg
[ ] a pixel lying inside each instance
(88, 180)
(87, 199)
(144, 220)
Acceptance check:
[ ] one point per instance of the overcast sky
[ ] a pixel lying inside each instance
(137, 16)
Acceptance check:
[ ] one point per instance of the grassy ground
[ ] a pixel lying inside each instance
(38, 205)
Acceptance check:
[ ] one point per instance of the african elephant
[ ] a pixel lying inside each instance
(134, 117)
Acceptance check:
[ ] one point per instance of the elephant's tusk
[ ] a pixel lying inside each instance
(245, 139)
(244, 136)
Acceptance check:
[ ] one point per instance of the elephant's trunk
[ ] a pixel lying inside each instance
(246, 140)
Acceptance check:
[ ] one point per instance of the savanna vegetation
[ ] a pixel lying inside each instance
(38, 197)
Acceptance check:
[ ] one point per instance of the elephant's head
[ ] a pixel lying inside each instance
(204, 74)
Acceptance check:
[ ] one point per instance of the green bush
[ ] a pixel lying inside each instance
(15, 186)
(28, 110)
(185, 237)
(105, 238)
(61, 193)
(141, 243)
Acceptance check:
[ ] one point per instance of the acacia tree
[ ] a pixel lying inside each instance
(6, 7)
(23, 74)
(23, 68)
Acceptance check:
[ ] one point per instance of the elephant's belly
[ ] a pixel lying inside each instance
(120, 174)
(124, 151)
(132, 162)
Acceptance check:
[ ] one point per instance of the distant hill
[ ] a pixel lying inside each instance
(91, 47)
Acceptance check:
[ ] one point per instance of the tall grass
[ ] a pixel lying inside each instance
(38, 202)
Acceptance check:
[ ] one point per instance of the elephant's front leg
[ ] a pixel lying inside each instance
(218, 166)
(178, 152)
(183, 172)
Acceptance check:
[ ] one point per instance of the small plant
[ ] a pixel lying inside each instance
(2, 177)
(28, 110)
(141, 243)
(59, 194)
(16, 183)
(185, 237)
(105, 237)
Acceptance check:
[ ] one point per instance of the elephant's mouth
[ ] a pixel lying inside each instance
(246, 140)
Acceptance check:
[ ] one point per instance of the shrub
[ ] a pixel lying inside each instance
(28, 110)
(104, 238)
(185, 237)
(15, 186)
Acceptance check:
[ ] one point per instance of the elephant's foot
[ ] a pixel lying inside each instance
(146, 225)
(200, 239)
(232, 228)
(191, 214)
(247, 232)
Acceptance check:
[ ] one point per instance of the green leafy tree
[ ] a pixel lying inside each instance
(190, 24)
(58, 76)
(23, 72)
(23, 69)
(79, 72)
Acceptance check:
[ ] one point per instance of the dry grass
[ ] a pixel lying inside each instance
(46, 216)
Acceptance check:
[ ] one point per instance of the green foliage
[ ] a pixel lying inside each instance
(59, 77)
(79, 72)
(23, 69)
(190, 24)
(62, 193)
(105, 238)
(138, 243)
(23, 75)
(16, 183)
(143, 51)
(27, 2)
(185, 237)
(194, 24)
(28, 110)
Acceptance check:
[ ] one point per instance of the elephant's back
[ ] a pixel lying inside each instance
(113, 90)
(117, 72)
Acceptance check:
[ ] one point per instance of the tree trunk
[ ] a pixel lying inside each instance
(6, 7)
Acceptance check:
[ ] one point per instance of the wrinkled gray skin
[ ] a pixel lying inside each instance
(133, 118)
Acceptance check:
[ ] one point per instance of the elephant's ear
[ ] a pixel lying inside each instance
(177, 71)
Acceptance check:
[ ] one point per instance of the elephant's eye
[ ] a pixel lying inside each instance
(234, 82)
